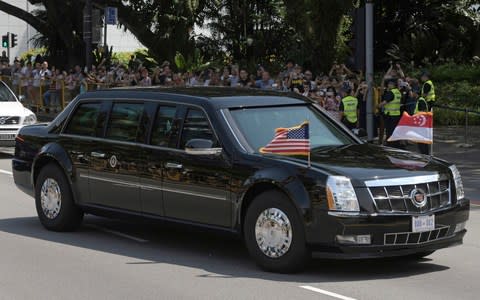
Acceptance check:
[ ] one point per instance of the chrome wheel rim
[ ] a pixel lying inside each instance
(51, 198)
(273, 232)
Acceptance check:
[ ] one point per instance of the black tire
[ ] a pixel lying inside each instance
(69, 216)
(297, 255)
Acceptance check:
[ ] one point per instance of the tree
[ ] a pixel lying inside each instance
(426, 31)
(247, 31)
(319, 25)
(59, 24)
(162, 26)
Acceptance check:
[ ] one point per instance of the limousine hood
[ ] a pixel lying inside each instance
(369, 162)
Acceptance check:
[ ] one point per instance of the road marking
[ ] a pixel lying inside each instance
(6, 172)
(117, 233)
(335, 295)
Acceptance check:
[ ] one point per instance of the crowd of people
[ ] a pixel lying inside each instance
(342, 92)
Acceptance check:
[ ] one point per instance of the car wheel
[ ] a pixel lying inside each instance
(54, 202)
(274, 234)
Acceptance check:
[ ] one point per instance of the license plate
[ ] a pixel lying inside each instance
(423, 223)
(7, 137)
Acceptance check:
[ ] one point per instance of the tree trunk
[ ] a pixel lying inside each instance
(33, 21)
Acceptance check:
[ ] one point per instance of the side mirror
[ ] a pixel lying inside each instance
(201, 147)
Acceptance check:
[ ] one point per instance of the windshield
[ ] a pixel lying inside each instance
(258, 125)
(5, 94)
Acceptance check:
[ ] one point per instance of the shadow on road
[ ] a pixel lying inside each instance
(219, 256)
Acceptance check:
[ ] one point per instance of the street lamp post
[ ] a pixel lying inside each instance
(369, 65)
(87, 33)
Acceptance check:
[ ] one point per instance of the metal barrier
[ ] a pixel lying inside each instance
(466, 111)
(37, 103)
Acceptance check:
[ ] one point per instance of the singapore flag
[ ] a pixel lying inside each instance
(417, 128)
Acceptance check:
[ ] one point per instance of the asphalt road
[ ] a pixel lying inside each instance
(109, 259)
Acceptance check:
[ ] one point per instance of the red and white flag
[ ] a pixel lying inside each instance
(417, 128)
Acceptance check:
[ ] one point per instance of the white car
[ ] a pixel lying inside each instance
(13, 116)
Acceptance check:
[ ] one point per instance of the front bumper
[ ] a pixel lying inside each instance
(390, 234)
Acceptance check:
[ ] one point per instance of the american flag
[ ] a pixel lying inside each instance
(290, 141)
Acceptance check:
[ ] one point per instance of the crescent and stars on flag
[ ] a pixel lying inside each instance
(417, 128)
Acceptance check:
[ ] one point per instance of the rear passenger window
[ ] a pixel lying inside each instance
(163, 126)
(84, 120)
(196, 126)
(124, 121)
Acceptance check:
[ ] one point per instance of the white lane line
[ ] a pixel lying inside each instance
(117, 233)
(6, 172)
(335, 295)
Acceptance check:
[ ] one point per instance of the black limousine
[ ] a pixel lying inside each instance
(192, 155)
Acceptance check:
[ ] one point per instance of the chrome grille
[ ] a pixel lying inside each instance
(396, 198)
(415, 238)
(6, 120)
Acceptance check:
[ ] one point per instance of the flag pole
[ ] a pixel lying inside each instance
(309, 164)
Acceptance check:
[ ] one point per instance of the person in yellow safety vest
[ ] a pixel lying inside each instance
(391, 104)
(349, 108)
(428, 90)
(420, 106)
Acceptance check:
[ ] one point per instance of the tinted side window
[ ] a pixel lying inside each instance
(84, 120)
(196, 126)
(163, 126)
(124, 121)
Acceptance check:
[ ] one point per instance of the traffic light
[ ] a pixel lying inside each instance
(14, 40)
(5, 41)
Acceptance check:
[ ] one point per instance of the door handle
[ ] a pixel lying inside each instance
(170, 165)
(98, 154)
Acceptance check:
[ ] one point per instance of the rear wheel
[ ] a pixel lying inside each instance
(274, 234)
(54, 202)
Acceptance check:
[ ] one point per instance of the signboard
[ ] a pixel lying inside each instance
(111, 15)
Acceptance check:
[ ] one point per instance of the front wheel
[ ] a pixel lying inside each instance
(274, 234)
(54, 202)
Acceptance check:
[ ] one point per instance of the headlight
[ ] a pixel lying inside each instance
(458, 182)
(341, 195)
(29, 120)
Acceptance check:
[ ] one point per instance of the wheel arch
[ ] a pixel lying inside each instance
(290, 186)
(52, 153)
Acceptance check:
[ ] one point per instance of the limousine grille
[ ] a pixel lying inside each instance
(415, 238)
(397, 199)
(6, 120)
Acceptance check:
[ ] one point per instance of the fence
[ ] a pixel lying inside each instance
(33, 97)
(466, 112)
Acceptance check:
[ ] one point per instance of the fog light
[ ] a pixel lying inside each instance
(459, 227)
(354, 239)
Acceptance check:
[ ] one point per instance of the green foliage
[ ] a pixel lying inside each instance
(419, 31)
(193, 63)
(444, 117)
(146, 58)
(344, 35)
(121, 58)
(27, 55)
(456, 86)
